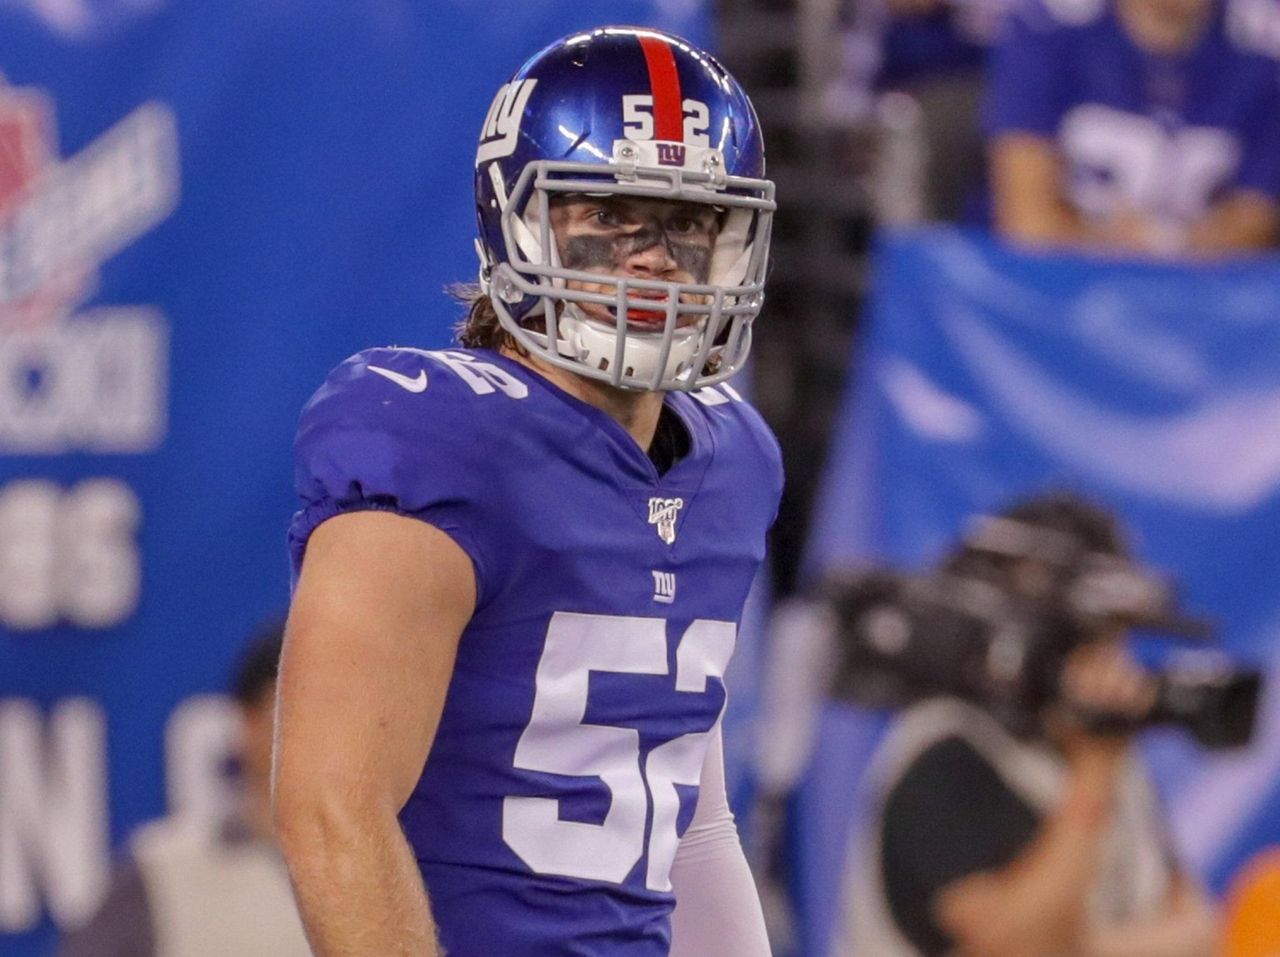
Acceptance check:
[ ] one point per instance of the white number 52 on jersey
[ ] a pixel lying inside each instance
(556, 741)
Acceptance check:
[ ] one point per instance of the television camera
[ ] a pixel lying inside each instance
(995, 623)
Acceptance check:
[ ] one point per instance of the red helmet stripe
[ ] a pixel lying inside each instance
(668, 114)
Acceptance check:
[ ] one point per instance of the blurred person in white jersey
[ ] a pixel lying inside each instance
(195, 888)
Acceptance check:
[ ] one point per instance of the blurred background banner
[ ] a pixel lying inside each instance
(985, 375)
(203, 208)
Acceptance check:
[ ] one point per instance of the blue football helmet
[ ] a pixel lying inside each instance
(631, 112)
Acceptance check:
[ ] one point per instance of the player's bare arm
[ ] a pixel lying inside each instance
(372, 636)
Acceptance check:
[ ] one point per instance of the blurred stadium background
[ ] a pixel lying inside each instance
(205, 206)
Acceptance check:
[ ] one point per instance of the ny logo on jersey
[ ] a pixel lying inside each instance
(664, 587)
(662, 513)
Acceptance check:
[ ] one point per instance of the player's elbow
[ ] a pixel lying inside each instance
(317, 822)
(301, 823)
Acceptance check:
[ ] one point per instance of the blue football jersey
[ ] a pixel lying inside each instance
(588, 680)
(1165, 134)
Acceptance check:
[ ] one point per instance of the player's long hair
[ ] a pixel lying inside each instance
(480, 327)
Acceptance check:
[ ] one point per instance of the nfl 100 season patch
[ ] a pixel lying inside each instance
(663, 513)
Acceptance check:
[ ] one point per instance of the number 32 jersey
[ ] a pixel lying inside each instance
(588, 680)
(1166, 134)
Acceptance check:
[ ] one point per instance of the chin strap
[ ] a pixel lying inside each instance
(594, 343)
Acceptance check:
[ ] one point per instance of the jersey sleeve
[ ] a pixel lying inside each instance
(949, 816)
(370, 441)
(1027, 75)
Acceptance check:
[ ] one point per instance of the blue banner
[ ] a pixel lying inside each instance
(203, 208)
(984, 375)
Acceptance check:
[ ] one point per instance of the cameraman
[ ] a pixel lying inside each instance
(1039, 838)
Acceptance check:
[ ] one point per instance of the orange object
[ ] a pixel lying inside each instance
(1252, 925)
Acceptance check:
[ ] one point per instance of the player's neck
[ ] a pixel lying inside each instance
(637, 412)
(1163, 28)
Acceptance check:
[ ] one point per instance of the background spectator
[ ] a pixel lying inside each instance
(1002, 832)
(1142, 125)
(194, 889)
(914, 70)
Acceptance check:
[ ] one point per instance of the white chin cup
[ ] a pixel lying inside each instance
(593, 343)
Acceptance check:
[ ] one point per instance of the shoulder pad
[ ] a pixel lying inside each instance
(386, 384)
(724, 403)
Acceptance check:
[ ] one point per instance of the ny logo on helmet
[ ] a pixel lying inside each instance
(671, 154)
(502, 125)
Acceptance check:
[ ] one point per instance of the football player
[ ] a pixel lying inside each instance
(521, 563)
(1146, 125)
